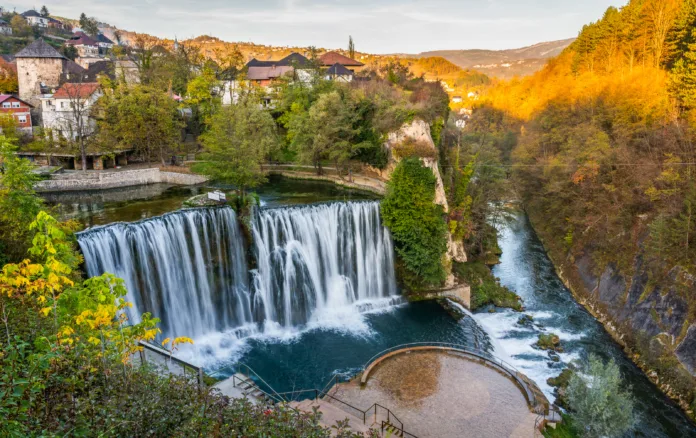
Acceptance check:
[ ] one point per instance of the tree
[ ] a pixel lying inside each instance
(416, 224)
(600, 407)
(77, 123)
(89, 25)
(18, 203)
(44, 11)
(139, 117)
(326, 132)
(351, 47)
(20, 26)
(240, 138)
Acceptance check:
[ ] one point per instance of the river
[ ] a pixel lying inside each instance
(301, 343)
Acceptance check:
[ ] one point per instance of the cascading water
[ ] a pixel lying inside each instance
(187, 268)
(317, 265)
(321, 263)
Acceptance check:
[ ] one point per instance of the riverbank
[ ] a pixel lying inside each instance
(583, 297)
(114, 179)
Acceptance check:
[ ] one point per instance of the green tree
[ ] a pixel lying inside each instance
(139, 117)
(20, 26)
(325, 132)
(416, 224)
(240, 138)
(44, 11)
(200, 94)
(19, 204)
(89, 25)
(351, 47)
(599, 405)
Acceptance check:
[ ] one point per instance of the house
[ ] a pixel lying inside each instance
(329, 59)
(39, 69)
(75, 73)
(66, 112)
(104, 43)
(35, 19)
(57, 24)
(264, 73)
(85, 45)
(340, 73)
(265, 76)
(19, 110)
(457, 99)
(5, 28)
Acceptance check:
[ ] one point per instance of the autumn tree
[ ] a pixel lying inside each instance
(139, 117)
(240, 138)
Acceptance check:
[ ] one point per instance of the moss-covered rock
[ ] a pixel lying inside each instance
(550, 342)
(485, 288)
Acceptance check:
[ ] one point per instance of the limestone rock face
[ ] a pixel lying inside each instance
(418, 131)
(686, 352)
(635, 306)
(455, 250)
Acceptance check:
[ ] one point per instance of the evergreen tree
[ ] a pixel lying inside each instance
(351, 47)
(44, 11)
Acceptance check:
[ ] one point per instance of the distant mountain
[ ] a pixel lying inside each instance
(503, 64)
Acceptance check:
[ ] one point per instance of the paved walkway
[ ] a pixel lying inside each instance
(440, 395)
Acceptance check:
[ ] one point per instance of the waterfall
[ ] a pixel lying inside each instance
(187, 268)
(337, 254)
(315, 264)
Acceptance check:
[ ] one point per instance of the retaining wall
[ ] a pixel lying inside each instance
(114, 179)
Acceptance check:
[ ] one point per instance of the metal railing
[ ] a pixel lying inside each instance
(251, 374)
(168, 359)
(485, 356)
(361, 413)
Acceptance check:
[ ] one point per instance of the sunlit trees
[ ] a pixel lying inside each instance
(241, 137)
(139, 117)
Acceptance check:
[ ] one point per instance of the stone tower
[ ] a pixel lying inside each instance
(39, 67)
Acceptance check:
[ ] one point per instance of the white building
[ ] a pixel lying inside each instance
(35, 19)
(5, 27)
(66, 112)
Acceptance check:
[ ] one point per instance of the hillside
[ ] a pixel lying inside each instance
(503, 64)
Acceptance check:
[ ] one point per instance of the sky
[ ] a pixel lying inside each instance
(377, 26)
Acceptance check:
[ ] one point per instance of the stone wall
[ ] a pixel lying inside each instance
(110, 180)
(31, 72)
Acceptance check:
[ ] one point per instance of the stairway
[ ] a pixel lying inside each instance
(330, 414)
(241, 386)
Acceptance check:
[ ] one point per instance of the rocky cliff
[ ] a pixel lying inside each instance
(651, 317)
(419, 131)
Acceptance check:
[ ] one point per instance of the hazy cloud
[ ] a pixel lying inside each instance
(378, 26)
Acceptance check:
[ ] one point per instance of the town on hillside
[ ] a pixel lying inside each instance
(53, 79)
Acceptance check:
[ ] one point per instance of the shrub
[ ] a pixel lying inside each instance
(417, 224)
(410, 148)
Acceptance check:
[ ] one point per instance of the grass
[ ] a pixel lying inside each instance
(564, 430)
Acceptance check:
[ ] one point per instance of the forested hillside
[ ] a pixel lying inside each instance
(605, 163)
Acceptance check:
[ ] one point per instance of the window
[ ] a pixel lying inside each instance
(15, 104)
(22, 119)
(6, 105)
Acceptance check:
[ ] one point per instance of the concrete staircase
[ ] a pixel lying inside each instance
(241, 386)
(330, 414)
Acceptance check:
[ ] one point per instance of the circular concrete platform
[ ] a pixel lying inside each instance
(439, 394)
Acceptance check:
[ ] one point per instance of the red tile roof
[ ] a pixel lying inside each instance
(74, 91)
(331, 58)
(81, 39)
(4, 97)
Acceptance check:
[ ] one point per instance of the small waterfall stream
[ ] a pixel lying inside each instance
(317, 265)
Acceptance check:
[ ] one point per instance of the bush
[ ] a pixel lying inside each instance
(600, 406)
(410, 148)
(416, 224)
(485, 288)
